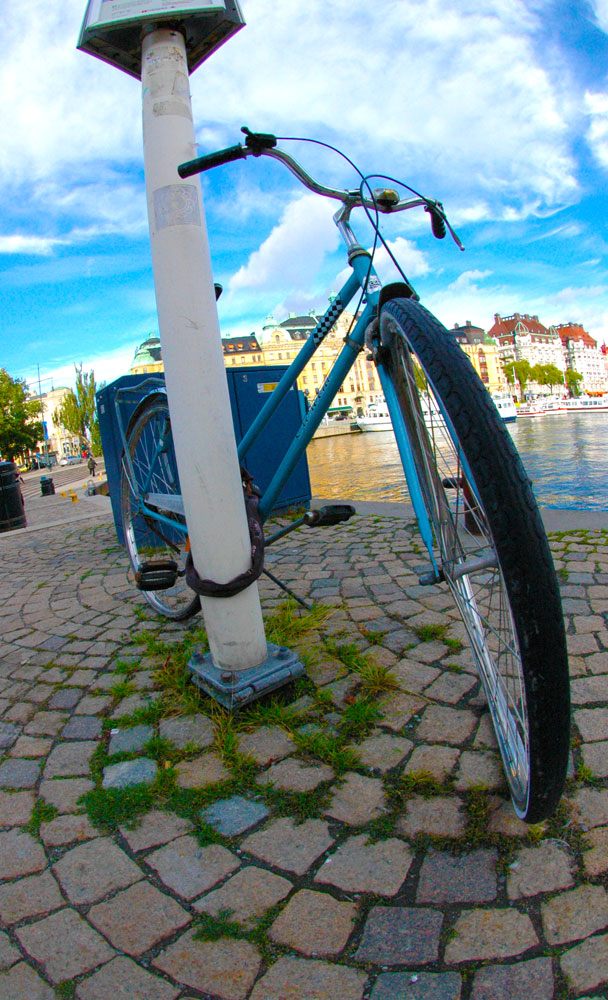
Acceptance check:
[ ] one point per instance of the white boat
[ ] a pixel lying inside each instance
(585, 404)
(535, 409)
(375, 418)
(503, 402)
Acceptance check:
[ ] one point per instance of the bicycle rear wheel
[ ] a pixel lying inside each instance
(492, 549)
(156, 547)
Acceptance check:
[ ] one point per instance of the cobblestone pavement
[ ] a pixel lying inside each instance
(308, 850)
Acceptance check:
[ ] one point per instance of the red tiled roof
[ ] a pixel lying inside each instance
(504, 326)
(573, 331)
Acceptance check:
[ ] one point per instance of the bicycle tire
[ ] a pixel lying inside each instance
(492, 549)
(145, 539)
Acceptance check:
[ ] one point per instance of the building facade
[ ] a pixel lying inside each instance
(484, 354)
(582, 355)
(148, 357)
(59, 441)
(524, 338)
(279, 345)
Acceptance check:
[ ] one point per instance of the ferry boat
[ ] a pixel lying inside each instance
(579, 404)
(503, 402)
(535, 409)
(585, 404)
(375, 418)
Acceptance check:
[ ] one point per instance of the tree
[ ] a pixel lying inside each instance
(20, 431)
(546, 375)
(77, 412)
(572, 380)
(519, 370)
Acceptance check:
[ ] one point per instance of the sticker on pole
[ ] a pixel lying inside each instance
(112, 29)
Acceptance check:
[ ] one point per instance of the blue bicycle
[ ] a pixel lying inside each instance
(471, 496)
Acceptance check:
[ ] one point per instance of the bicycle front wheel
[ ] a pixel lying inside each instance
(152, 516)
(492, 549)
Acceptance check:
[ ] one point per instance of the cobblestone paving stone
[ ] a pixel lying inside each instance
(302, 857)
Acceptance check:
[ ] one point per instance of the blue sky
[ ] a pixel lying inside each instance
(499, 108)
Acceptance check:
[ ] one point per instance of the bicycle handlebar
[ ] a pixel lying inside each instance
(263, 144)
(212, 160)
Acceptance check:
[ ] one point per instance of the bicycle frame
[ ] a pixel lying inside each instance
(363, 276)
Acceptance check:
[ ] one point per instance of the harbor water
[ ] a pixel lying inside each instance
(564, 454)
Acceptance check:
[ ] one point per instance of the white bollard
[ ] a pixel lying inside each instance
(194, 365)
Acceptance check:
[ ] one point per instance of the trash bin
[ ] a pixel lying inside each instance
(47, 486)
(12, 509)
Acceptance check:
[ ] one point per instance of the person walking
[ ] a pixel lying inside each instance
(91, 465)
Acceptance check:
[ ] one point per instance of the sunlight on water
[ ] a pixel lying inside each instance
(565, 456)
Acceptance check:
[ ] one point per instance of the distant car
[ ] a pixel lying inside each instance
(70, 460)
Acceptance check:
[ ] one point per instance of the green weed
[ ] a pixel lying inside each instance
(43, 812)
(359, 719)
(426, 633)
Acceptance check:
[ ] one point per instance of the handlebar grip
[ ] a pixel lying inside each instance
(437, 222)
(211, 160)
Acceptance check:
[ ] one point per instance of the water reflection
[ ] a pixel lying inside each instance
(565, 456)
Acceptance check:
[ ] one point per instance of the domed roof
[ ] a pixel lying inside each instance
(148, 353)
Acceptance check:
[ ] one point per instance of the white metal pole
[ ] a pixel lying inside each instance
(194, 366)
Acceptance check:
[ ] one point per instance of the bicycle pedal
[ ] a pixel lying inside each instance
(333, 513)
(157, 575)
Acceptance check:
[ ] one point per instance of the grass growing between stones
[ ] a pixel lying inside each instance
(65, 990)
(109, 808)
(375, 678)
(329, 749)
(43, 812)
(214, 928)
(358, 719)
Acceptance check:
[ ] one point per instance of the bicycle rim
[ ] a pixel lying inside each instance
(156, 484)
(465, 511)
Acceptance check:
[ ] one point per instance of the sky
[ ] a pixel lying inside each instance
(498, 108)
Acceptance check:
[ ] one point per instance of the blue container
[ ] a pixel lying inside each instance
(248, 389)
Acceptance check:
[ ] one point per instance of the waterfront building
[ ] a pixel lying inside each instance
(484, 354)
(59, 441)
(242, 351)
(278, 345)
(582, 355)
(148, 357)
(282, 341)
(524, 338)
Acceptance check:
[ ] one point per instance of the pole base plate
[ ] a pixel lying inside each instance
(232, 689)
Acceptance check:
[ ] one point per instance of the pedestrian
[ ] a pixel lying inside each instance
(91, 465)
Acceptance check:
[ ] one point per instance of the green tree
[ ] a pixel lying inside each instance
(77, 412)
(519, 370)
(572, 380)
(20, 430)
(546, 375)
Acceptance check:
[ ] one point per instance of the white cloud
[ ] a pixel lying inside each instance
(293, 251)
(31, 246)
(600, 9)
(107, 366)
(60, 106)
(597, 134)
(420, 87)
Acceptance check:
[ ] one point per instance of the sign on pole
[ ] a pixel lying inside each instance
(112, 29)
